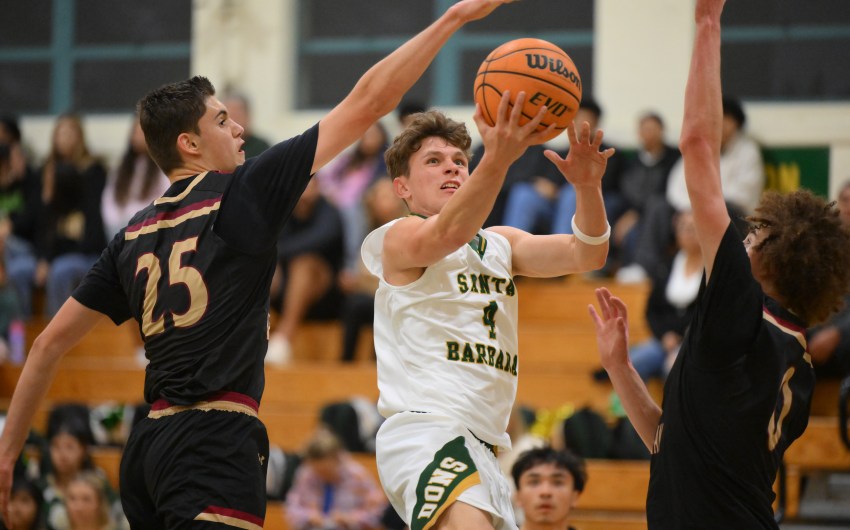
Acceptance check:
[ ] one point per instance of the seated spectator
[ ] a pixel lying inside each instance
(24, 508)
(20, 206)
(68, 455)
(332, 491)
(239, 109)
(670, 306)
(345, 181)
(741, 175)
(829, 344)
(87, 503)
(358, 310)
(550, 202)
(644, 179)
(11, 320)
(310, 255)
(407, 109)
(548, 485)
(71, 234)
(133, 185)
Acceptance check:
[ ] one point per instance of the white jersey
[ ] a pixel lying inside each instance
(447, 342)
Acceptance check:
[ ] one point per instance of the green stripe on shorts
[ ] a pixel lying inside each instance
(450, 473)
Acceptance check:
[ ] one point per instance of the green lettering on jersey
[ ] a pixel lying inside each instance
(508, 362)
(500, 360)
(510, 290)
(498, 284)
(474, 282)
(452, 350)
(489, 317)
(461, 283)
(513, 367)
(482, 353)
(484, 283)
(491, 355)
(468, 356)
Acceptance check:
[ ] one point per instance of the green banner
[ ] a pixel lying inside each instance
(791, 168)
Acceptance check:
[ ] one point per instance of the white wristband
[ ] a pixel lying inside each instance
(590, 240)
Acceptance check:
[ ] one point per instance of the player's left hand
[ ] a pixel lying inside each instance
(585, 163)
(612, 330)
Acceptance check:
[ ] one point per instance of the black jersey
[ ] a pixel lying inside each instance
(738, 394)
(194, 269)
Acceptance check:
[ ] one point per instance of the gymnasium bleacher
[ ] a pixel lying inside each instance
(558, 353)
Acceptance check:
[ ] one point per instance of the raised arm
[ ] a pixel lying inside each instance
(69, 325)
(612, 334)
(557, 255)
(701, 132)
(381, 88)
(414, 243)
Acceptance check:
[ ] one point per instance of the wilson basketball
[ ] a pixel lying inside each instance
(542, 70)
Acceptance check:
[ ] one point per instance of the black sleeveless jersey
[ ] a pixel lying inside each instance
(737, 396)
(194, 270)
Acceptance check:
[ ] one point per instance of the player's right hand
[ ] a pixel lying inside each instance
(7, 469)
(469, 10)
(507, 140)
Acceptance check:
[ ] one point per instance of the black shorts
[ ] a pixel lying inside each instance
(197, 466)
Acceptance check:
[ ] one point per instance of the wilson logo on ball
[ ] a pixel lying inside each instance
(542, 70)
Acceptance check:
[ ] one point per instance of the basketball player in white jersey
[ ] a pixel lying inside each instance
(446, 310)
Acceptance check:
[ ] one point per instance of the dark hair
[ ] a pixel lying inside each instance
(589, 104)
(168, 112)
(126, 169)
(9, 123)
(29, 487)
(654, 116)
(410, 107)
(805, 253)
(733, 108)
(547, 455)
(424, 125)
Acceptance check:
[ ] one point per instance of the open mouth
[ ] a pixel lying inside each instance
(450, 185)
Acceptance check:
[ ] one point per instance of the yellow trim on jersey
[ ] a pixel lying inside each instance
(206, 406)
(184, 193)
(794, 333)
(472, 480)
(171, 223)
(229, 521)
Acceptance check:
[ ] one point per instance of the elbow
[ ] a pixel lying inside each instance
(593, 258)
(691, 141)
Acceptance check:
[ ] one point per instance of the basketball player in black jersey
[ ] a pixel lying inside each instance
(194, 270)
(740, 390)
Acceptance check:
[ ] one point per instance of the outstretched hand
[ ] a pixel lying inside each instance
(585, 163)
(469, 10)
(507, 140)
(612, 329)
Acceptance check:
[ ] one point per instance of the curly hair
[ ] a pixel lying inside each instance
(805, 254)
(424, 125)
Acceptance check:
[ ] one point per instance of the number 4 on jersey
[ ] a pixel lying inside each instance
(490, 317)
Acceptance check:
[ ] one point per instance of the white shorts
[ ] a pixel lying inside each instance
(427, 461)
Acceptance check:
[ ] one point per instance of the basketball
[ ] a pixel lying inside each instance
(542, 70)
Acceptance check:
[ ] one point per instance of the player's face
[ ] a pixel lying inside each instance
(220, 139)
(546, 495)
(436, 171)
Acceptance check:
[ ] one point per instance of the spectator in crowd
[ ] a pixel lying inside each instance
(11, 320)
(644, 181)
(829, 344)
(24, 506)
(134, 184)
(526, 200)
(670, 305)
(742, 178)
(68, 455)
(546, 200)
(20, 207)
(548, 485)
(332, 491)
(310, 255)
(71, 236)
(240, 111)
(407, 109)
(87, 503)
(345, 180)
(358, 309)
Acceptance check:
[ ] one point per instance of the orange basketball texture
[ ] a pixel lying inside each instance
(542, 70)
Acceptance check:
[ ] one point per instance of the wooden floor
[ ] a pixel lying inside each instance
(557, 352)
